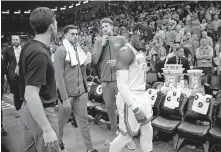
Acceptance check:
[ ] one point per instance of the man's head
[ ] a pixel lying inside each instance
(140, 35)
(215, 17)
(107, 26)
(203, 21)
(43, 20)
(15, 40)
(71, 33)
(204, 34)
(180, 52)
(188, 36)
(203, 42)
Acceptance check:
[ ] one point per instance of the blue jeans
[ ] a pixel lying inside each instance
(32, 134)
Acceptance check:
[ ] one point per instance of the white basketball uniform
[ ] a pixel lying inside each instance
(137, 84)
(128, 125)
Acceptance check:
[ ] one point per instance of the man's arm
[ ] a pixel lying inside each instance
(36, 108)
(34, 79)
(123, 61)
(97, 50)
(210, 55)
(198, 55)
(59, 64)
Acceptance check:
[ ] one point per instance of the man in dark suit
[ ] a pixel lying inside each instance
(12, 55)
(179, 58)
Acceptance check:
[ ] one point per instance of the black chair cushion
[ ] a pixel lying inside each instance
(165, 125)
(192, 131)
(215, 132)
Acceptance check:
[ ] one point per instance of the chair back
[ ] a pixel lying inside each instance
(192, 115)
(179, 111)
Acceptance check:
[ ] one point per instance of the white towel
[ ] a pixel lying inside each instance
(152, 95)
(172, 99)
(71, 56)
(201, 103)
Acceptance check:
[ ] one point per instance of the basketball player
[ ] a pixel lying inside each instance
(134, 111)
(104, 56)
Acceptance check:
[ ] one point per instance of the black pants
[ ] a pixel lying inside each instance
(14, 85)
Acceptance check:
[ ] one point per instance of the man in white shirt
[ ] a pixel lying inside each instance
(11, 56)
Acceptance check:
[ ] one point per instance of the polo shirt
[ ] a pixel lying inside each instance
(36, 69)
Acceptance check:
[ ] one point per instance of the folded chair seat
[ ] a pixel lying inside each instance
(167, 125)
(215, 132)
(192, 131)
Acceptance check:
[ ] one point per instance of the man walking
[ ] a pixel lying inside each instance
(135, 112)
(70, 74)
(11, 56)
(38, 87)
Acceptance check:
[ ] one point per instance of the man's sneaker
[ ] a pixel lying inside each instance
(131, 145)
(110, 138)
(94, 150)
(61, 145)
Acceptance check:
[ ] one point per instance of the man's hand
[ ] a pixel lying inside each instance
(111, 62)
(140, 116)
(104, 40)
(67, 105)
(50, 137)
(17, 70)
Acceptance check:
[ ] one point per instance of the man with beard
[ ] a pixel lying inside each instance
(11, 56)
(70, 75)
(38, 87)
(135, 112)
(104, 57)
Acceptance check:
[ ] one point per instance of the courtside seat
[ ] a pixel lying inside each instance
(156, 106)
(199, 132)
(195, 126)
(169, 119)
(215, 131)
(162, 124)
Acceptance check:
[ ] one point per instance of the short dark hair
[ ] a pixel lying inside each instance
(140, 26)
(106, 20)
(41, 18)
(177, 49)
(69, 27)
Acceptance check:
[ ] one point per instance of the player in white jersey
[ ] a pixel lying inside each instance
(135, 111)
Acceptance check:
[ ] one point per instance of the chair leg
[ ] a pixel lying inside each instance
(97, 118)
(206, 146)
(155, 133)
(175, 141)
(179, 143)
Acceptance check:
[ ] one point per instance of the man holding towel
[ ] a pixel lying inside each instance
(70, 75)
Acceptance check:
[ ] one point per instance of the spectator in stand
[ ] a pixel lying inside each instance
(169, 35)
(209, 39)
(203, 25)
(195, 46)
(210, 29)
(196, 29)
(188, 43)
(178, 35)
(204, 55)
(216, 24)
(219, 68)
(218, 47)
(179, 58)
(160, 61)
